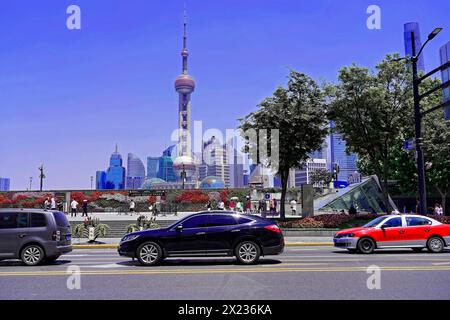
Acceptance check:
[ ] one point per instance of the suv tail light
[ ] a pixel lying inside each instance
(56, 236)
(273, 228)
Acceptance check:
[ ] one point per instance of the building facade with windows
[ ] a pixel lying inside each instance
(409, 29)
(135, 172)
(445, 74)
(5, 184)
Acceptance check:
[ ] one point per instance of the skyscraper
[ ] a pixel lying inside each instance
(135, 172)
(409, 28)
(152, 167)
(214, 157)
(336, 154)
(165, 169)
(184, 85)
(445, 74)
(100, 180)
(5, 184)
(115, 175)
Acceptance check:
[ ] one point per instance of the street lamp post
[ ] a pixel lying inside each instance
(41, 176)
(418, 130)
(418, 117)
(92, 182)
(31, 181)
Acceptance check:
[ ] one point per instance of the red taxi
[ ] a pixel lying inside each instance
(396, 231)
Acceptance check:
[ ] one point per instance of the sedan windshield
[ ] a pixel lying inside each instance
(374, 222)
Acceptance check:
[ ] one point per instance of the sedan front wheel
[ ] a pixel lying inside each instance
(435, 245)
(366, 245)
(149, 253)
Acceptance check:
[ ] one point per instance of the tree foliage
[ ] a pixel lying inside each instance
(298, 112)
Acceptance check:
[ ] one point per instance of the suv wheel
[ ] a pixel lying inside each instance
(149, 254)
(366, 245)
(435, 245)
(32, 255)
(248, 252)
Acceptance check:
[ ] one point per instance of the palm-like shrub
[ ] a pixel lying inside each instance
(82, 230)
(143, 223)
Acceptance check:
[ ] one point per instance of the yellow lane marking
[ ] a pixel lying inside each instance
(215, 271)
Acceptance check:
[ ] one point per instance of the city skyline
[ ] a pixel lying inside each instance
(66, 120)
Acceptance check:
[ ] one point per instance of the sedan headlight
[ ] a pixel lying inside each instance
(348, 235)
(130, 237)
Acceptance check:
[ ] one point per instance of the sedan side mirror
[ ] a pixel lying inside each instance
(179, 228)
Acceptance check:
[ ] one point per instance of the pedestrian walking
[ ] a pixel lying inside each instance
(248, 205)
(46, 204)
(293, 207)
(132, 206)
(438, 210)
(53, 203)
(221, 205)
(74, 206)
(209, 205)
(232, 205)
(239, 206)
(85, 208)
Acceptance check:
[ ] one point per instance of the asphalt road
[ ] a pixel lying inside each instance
(299, 273)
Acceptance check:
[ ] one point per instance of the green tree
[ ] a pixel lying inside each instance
(298, 112)
(371, 110)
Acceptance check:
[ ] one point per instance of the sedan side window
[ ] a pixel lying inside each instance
(416, 221)
(221, 220)
(392, 223)
(196, 222)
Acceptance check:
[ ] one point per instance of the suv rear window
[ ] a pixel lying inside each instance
(61, 220)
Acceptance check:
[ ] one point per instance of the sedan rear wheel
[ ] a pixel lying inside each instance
(435, 245)
(32, 255)
(366, 245)
(248, 252)
(149, 253)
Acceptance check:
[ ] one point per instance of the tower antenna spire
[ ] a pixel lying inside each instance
(184, 52)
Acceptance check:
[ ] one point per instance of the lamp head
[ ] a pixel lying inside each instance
(434, 33)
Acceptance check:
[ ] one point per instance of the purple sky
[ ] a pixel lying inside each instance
(66, 97)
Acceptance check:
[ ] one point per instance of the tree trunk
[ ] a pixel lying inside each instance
(384, 187)
(284, 175)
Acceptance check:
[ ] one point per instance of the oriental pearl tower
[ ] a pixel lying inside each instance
(184, 85)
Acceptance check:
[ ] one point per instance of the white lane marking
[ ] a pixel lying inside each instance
(440, 263)
(105, 266)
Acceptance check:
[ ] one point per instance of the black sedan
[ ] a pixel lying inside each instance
(206, 234)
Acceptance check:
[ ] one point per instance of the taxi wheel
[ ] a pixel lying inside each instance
(366, 245)
(435, 245)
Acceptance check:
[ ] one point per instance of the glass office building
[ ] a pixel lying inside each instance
(5, 184)
(336, 154)
(445, 74)
(408, 29)
(152, 167)
(165, 171)
(100, 180)
(135, 172)
(115, 175)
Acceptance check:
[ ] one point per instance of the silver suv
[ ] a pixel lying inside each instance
(33, 236)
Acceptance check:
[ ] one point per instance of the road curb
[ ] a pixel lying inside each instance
(114, 246)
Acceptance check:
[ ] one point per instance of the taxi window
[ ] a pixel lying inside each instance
(417, 221)
(392, 223)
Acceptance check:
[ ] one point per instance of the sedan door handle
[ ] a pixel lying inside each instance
(427, 230)
(235, 230)
(401, 231)
(200, 233)
(22, 235)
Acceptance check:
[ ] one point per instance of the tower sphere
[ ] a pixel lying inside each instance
(184, 84)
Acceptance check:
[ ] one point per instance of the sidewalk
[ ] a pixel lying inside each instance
(290, 242)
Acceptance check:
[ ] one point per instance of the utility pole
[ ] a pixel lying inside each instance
(41, 176)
